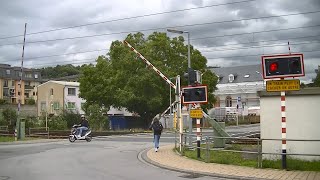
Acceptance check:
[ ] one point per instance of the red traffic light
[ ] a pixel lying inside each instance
(273, 67)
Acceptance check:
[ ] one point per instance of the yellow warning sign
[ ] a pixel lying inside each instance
(196, 113)
(283, 85)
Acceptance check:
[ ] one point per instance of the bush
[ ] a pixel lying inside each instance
(3, 101)
(31, 122)
(96, 118)
(30, 101)
(56, 123)
(10, 116)
(71, 118)
(3, 122)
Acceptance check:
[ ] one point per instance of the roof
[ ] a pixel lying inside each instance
(249, 73)
(64, 83)
(67, 78)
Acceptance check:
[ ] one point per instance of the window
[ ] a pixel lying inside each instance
(43, 106)
(231, 78)
(27, 83)
(28, 75)
(5, 84)
(26, 95)
(12, 83)
(6, 92)
(228, 101)
(71, 105)
(51, 92)
(36, 76)
(56, 105)
(20, 73)
(8, 71)
(72, 91)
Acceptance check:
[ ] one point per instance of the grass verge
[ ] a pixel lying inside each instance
(250, 160)
(11, 139)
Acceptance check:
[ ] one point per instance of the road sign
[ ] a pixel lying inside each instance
(196, 113)
(283, 85)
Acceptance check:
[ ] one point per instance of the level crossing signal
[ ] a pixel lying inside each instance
(195, 94)
(282, 66)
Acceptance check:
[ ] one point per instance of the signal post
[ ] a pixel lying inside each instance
(283, 66)
(196, 94)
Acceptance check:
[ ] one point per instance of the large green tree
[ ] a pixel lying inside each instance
(121, 79)
(316, 81)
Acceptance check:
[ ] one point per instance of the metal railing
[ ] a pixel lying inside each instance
(4, 130)
(208, 141)
(39, 131)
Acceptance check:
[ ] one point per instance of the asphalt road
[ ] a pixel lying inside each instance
(114, 157)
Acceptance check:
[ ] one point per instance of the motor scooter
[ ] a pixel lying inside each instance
(86, 134)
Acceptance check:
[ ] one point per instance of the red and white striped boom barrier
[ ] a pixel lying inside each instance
(151, 65)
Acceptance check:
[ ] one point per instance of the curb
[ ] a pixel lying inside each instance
(142, 156)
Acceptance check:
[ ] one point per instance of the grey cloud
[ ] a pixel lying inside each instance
(44, 15)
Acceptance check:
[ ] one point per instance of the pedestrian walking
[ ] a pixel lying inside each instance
(157, 128)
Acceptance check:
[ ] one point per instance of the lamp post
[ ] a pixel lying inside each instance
(189, 66)
(170, 111)
(263, 86)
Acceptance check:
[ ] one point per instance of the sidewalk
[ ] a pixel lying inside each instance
(167, 158)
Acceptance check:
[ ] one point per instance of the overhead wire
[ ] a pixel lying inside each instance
(97, 50)
(152, 29)
(253, 55)
(275, 45)
(85, 61)
(127, 18)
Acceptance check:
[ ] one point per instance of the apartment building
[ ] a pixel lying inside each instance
(9, 83)
(56, 96)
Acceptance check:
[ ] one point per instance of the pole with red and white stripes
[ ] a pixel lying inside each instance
(20, 84)
(151, 65)
(198, 136)
(283, 129)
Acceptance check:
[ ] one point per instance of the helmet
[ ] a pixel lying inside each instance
(82, 116)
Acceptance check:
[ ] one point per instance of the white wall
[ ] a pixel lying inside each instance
(250, 99)
(122, 111)
(247, 91)
(303, 122)
(74, 98)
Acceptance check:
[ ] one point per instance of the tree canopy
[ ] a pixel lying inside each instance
(121, 79)
(316, 81)
(60, 71)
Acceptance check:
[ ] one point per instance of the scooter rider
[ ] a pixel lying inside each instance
(84, 125)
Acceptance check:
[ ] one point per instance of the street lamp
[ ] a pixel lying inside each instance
(263, 86)
(189, 66)
(183, 32)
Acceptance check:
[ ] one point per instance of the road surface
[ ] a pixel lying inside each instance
(113, 157)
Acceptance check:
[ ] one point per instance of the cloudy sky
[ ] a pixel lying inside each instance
(227, 32)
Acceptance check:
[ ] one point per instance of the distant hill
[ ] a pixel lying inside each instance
(60, 71)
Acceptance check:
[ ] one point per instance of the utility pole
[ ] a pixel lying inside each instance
(189, 66)
(20, 82)
(178, 99)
